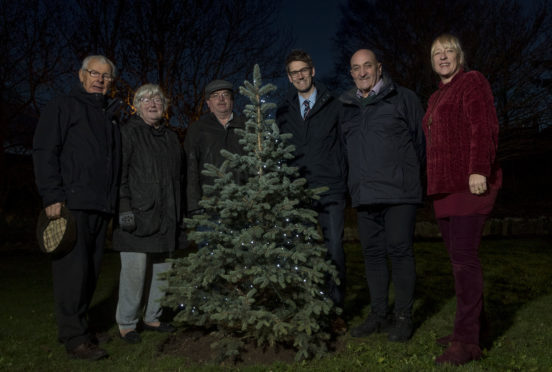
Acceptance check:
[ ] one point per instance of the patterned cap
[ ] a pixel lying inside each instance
(56, 237)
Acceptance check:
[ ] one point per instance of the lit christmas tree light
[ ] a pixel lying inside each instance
(262, 276)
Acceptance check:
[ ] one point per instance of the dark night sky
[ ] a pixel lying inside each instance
(313, 23)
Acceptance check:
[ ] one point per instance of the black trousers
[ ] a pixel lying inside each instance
(386, 231)
(331, 217)
(75, 276)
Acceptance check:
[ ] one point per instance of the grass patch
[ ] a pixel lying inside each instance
(518, 300)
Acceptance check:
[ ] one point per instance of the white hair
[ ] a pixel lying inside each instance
(149, 90)
(102, 59)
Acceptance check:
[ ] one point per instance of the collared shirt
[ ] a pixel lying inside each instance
(312, 100)
(375, 90)
(229, 120)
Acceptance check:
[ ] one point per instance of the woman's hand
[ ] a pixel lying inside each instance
(478, 184)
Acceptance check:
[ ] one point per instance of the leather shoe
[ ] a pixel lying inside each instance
(402, 330)
(87, 351)
(163, 327)
(132, 337)
(373, 324)
(459, 353)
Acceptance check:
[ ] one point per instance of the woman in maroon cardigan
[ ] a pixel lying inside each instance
(463, 178)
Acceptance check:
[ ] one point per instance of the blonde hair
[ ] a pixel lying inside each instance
(449, 41)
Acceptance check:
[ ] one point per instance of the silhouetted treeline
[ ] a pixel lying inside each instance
(183, 44)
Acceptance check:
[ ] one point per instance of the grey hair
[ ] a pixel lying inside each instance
(149, 90)
(102, 59)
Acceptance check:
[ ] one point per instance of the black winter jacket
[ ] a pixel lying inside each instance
(385, 146)
(150, 187)
(204, 140)
(76, 152)
(319, 152)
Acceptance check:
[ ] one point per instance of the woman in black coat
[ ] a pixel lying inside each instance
(149, 211)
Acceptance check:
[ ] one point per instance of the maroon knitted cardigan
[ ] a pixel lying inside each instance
(462, 135)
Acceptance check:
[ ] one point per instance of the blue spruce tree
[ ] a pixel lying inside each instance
(262, 275)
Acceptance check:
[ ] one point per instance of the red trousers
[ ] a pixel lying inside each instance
(462, 235)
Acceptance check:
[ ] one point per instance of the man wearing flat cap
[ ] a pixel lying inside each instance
(205, 138)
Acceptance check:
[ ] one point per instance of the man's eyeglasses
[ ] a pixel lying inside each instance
(95, 74)
(224, 95)
(147, 101)
(302, 71)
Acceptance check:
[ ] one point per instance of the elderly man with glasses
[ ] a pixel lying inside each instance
(76, 154)
(205, 138)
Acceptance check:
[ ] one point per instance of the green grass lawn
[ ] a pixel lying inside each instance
(518, 299)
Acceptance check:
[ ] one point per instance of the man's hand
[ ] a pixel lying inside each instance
(478, 184)
(53, 211)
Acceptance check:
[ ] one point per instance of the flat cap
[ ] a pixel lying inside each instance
(56, 237)
(215, 85)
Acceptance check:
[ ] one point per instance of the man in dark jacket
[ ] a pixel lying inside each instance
(311, 114)
(385, 147)
(207, 136)
(76, 154)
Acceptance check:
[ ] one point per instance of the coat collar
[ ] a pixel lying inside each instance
(350, 96)
(322, 95)
(454, 79)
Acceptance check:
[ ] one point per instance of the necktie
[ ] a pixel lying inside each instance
(306, 103)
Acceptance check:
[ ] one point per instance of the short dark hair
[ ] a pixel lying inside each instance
(298, 55)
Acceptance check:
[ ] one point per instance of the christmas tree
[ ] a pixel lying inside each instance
(262, 274)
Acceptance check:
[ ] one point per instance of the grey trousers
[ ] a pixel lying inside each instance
(139, 272)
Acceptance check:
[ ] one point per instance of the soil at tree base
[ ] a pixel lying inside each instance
(195, 345)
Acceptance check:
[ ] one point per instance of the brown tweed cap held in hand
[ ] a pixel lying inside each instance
(56, 237)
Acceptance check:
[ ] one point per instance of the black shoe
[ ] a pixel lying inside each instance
(163, 327)
(132, 337)
(87, 351)
(401, 330)
(373, 324)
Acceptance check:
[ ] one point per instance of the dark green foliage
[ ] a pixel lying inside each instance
(262, 275)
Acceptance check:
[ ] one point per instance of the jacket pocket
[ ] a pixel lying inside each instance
(146, 209)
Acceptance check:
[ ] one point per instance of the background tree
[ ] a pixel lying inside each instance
(262, 276)
(31, 64)
(179, 44)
